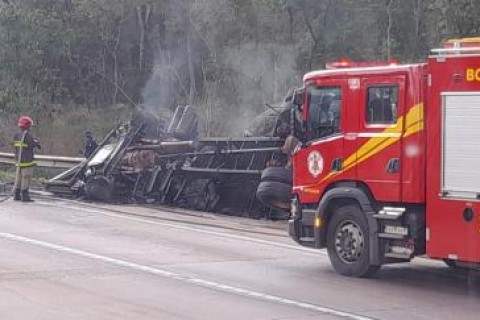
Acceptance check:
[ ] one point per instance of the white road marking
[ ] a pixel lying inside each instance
(184, 278)
(186, 228)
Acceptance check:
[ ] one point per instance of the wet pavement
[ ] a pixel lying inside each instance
(71, 260)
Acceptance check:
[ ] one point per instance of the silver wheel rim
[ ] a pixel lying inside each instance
(349, 242)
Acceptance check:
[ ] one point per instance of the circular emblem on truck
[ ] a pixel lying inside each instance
(315, 163)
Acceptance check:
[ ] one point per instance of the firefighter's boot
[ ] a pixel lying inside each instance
(26, 196)
(16, 195)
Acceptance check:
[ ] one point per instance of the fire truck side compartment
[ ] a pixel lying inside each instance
(453, 152)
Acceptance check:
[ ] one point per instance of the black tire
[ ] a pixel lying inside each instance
(201, 195)
(277, 174)
(348, 229)
(450, 263)
(100, 188)
(279, 215)
(454, 264)
(275, 194)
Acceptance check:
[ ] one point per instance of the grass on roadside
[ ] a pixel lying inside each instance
(7, 174)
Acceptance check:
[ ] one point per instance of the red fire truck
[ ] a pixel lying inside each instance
(389, 166)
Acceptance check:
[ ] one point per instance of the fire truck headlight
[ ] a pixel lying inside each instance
(318, 222)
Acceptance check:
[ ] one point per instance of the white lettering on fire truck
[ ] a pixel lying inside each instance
(472, 74)
(315, 163)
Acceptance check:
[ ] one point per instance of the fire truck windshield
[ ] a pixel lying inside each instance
(323, 111)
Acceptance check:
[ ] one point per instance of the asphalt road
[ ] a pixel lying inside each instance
(66, 260)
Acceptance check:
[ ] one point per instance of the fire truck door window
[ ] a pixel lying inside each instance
(323, 112)
(382, 105)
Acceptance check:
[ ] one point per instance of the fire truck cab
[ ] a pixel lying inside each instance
(389, 166)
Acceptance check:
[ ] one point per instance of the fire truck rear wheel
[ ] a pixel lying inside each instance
(348, 242)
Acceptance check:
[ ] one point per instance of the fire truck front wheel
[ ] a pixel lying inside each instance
(348, 242)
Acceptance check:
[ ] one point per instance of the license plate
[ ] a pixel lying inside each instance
(396, 230)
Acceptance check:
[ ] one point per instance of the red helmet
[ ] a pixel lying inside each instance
(25, 122)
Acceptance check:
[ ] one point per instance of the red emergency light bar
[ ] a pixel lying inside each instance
(346, 63)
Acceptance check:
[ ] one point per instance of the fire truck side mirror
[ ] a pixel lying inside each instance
(298, 98)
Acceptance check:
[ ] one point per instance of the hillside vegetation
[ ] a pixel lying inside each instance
(78, 64)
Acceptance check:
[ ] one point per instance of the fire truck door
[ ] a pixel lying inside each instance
(382, 105)
(320, 161)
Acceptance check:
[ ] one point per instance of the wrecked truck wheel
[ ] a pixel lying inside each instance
(348, 243)
(275, 195)
(100, 189)
(201, 195)
(277, 174)
(212, 196)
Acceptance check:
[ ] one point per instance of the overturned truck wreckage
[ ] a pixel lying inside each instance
(140, 162)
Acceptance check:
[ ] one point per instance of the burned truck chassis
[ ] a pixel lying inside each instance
(213, 174)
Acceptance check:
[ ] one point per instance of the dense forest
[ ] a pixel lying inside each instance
(74, 64)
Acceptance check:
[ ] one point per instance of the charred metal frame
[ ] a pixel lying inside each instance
(207, 166)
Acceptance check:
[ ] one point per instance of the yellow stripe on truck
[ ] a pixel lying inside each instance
(414, 124)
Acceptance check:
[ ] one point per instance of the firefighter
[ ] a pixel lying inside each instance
(90, 144)
(283, 129)
(24, 145)
(284, 115)
(288, 148)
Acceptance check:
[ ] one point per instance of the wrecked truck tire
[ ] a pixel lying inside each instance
(274, 194)
(277, 174)
(100, 188)
(201, 195)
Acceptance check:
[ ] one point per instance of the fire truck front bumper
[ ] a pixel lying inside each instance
(301, 227)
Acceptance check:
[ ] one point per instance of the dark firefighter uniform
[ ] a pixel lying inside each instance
(90, 144)
(24, 145)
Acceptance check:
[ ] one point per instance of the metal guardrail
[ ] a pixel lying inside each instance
(44, 161)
